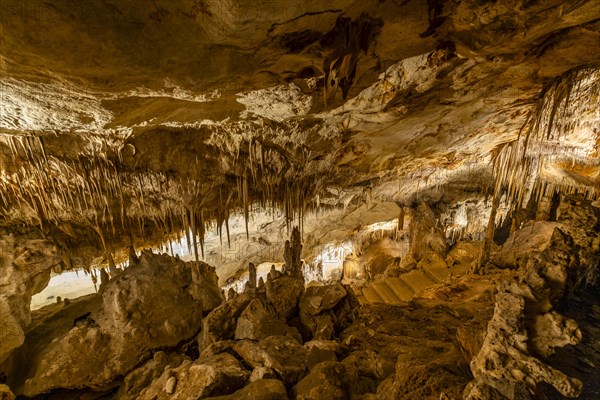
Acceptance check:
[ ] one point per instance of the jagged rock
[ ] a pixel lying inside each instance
(6, 393)
(265, 389)
(284, 294)
(504, 363)
(261, 372)
(218, 375)
(142, 377)
(282, 354)
(257, 322)
(533, 237)
(25, 264)
(552, 330)
(325, 381)
(470, 337)
(369, 363)
(217, 348)
(320, 351)
(143, 308)
(523, 315)
(318, 298)
(326, 345)
(581, 220)
(221, 323)
(413, 380)
(321, 326)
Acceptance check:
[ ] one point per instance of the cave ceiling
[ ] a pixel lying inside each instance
(123, 119)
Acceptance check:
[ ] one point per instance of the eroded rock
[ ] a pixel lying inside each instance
(257, 322)
(141, 309)
(282, 354)
(264, 389)
(284, 295)
(319, 298)
(221, 323)
(218, 375)
(25, 264)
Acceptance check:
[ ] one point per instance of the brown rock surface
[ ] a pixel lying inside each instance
(319, 298)
(218, 375)
(143, 308)
(265, 389)
(257, 322)
(282, 354)
(284, 295)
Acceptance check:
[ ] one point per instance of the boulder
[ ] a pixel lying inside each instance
(320, 326)
(282, 354)
(284, 294)
(142, 377)
(258, 321)
(319, 298)
(157, 304)
(503, 364)
(325, 381)
(264, 389)
(218, 375)
(221, 323)
(320, 351)
(217, 348)
(261, 372)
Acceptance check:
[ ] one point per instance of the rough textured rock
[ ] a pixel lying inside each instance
(141, 377)
(143, 308)
(284, 295)
(321, 326)
(318, 298)
(25, 265)
(325, 380)
(129, 124)
(265, 389)
(221, 323)
(504, 363)
(218, 375)
(260, 372)
(282, 354)
(524, 324)
(257, 322)
(320, 351)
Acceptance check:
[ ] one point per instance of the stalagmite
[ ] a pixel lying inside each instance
(252, 276)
